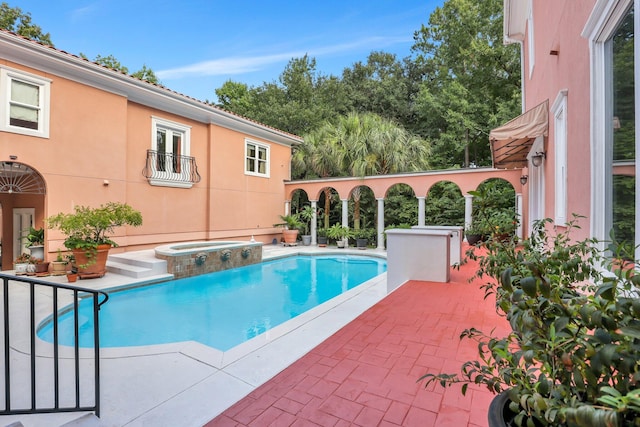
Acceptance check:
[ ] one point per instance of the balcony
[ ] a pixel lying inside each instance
(171, 170)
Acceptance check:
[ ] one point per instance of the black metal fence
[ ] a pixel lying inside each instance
(40, 376)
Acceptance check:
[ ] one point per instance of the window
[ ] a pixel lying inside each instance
(24, 103)
(611, 29)
(168, 162)
(559, 111)
(531, 40)
(256, 159)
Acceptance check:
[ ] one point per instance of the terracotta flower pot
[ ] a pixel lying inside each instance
(290, 236)
(42, 267)
(92, 264)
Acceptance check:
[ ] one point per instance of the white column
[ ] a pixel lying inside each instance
(287, 207)
(345, 212)
(468, 207)
(519, 212)
(345, 217)
(421, 210)
(314, 222)
(380, 223)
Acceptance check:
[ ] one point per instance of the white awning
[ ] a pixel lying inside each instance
(511, 142)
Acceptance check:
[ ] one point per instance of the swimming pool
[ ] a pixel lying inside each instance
(222, 309)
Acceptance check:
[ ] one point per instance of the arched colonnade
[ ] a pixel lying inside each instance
(466, 180)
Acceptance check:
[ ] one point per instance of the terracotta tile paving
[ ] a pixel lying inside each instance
(366, 373)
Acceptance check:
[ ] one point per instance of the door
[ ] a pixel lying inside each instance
(22, 220)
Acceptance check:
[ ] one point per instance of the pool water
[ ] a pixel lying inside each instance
(221, 309)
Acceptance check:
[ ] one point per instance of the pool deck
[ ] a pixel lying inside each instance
(354, 362)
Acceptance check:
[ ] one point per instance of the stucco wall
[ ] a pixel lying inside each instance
(558, 28)
(98, 137)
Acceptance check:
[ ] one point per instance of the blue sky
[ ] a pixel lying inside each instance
(195, 46)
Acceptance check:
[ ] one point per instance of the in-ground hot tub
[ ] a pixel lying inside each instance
(193, 258)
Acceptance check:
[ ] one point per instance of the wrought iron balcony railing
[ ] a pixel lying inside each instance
(171, 170)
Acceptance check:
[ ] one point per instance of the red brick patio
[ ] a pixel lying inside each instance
(365, 374)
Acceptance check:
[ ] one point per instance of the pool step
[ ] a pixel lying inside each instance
(138, 264)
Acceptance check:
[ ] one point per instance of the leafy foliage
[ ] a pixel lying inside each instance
(471, 82)
(35, 236)
(445, 205)
(110, 61)
(493, 210)
(573, 355)
(89, 227)
(401, 206)
(15, 20)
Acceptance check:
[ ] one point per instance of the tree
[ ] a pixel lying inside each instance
(298, 103)
(472, 80)
(381, 86)
(110, 61)
(146, 74)
(16, 21)
(235, 97)
(318, 156)
(359, 145)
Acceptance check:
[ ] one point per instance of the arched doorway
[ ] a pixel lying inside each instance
(22, 192)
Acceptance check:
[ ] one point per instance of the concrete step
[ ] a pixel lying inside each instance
(137, 264)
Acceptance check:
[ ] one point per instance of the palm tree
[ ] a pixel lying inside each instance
(359, 145)
(318, 155)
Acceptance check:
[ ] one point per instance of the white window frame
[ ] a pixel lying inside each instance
(168, 178)
(8, 75)
(600, 27)
(247, 143)
(559, 111)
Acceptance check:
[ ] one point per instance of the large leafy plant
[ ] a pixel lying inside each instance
(88, 227)
(572, 357)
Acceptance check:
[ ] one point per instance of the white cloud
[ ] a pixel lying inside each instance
(247, 64)
(81, 13)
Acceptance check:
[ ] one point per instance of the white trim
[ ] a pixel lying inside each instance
(531, 41)
(7, 75)
(21, 220)
(59, 63)
(257, 144)
(171, 125)
(167, 178)
(600, 27)
(536, 184)
(559, 111)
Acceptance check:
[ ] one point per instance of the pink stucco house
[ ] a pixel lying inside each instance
(73, 132)
(578, 64)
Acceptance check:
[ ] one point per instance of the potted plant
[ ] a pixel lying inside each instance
(40, 266)
(88, 229)
(362, 236)
(59, 266)
(572, 357)
(20, 263)
(306, 215)
(322, 237)
(292, 226)
(477, 232)
(72, 273)
(340, 234)
(35, 242)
